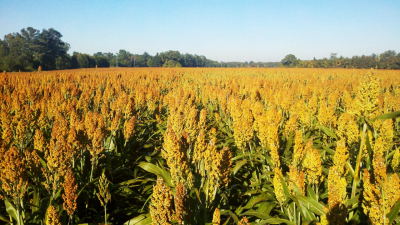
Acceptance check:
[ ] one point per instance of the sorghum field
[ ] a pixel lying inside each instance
(200, 146)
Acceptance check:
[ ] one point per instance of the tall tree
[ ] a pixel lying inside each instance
(50, 47)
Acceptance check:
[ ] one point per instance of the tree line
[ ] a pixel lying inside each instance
(30, 48)
(387, 60)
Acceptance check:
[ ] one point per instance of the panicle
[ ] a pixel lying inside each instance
(379, 162)
(326, 115)
(216, 217)
(191, 123)
(52, 216)
(312, 164)
(296, 179)
(175, 155)
(70, 193)
(298, 151)
(367, 97)
(199, 147)
(104, 194)
(39, 141)
(278, 187)
(14, 180)
(244, 221)
(161, 204)
(341, 156)
(181, 204)
(348, 129)
(129, 128)
(291, 125)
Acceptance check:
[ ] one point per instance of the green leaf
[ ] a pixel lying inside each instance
(327, 131)
(328, 150)
(238, 166)
(149, 167)
(387, 116)
(288, 143)
(311, 193)
(229, 212)
(36, 199)
(311, 204)
(143, 219)
(266, 207)
(11, 210)
(256, 214)
(256, 200)
(392, 215)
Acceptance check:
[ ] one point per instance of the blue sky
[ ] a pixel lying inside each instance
(220, 30)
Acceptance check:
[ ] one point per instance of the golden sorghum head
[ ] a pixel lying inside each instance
(326, 115)
(324, 220)
(39, 141)
(341, 156)
(32, 161)
(176, 120)
(129, 128)
(161, 207)
(392, 190)
(97, 142)
(72, 140)
(199, 147)
(225, 165)
(181, 204)
(159, 121)
(217, 117)
(105, 110)
(313, 104)
(13, 173)
(244, 127)
(296, 179)
(191, 123)
(175, 155)
(367, 96)
(348, 129)
(216, 217)
(104, 194)
(379, 162)
(70, 193)
(244, 221)
(387, 133)
(7, 135)
(21, 131)
(213, 132)
(291, 125)
(210, 154)
(52, 216)
(202, 119)
(129, 110)
(312, 164)
(336, 188)
(298, 151)
(372, 201)
(278, 187)
(115, 121)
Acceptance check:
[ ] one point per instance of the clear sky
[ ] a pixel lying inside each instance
(220, 30)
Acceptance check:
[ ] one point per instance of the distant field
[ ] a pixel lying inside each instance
(200, 146)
